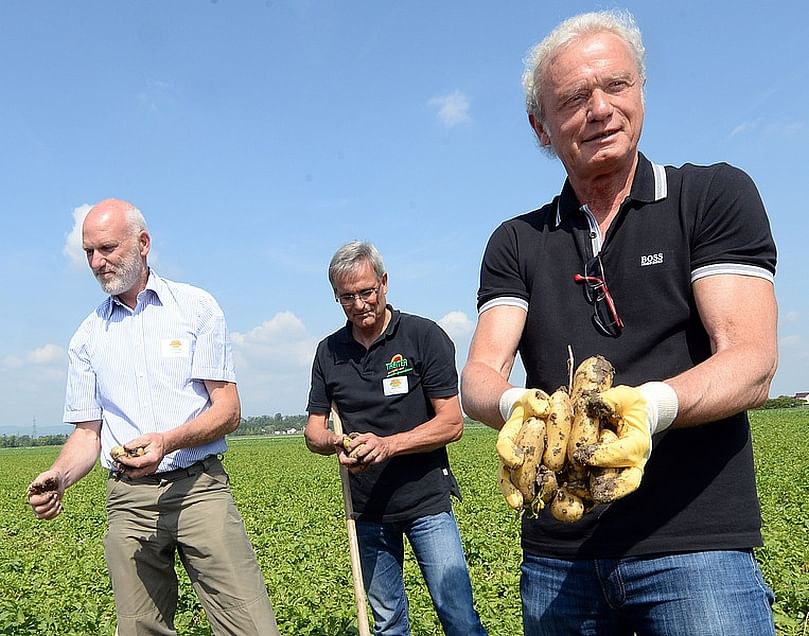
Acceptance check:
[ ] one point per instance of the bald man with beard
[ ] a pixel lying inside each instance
(151, 389)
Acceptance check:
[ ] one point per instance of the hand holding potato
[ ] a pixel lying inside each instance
(367, 449)
(141, 456)
(624, 409)
(572, 451)
(629, 417)
(530, 403)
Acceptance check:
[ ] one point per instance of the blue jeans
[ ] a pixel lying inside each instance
(436, 544)
(694, 594)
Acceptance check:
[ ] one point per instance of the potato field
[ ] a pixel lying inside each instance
(53, 579)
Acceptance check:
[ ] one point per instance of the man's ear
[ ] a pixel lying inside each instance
(544, 139)
(144, 242)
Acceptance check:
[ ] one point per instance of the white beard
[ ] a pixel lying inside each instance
(124, 277)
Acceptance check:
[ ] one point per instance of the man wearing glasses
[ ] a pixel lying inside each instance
(668, 273)
(392, 378)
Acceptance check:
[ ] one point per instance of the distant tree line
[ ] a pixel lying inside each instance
(270, 425)
(19, 441)
(283, 424)
(783, 402)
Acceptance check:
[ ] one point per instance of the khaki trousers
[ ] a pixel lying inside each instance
(192, 514)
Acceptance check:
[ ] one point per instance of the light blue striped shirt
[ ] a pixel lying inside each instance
(142, 371)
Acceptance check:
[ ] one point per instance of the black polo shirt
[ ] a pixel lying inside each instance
(386, 389)
(676, 226)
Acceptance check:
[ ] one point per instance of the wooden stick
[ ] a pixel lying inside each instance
(353, 544)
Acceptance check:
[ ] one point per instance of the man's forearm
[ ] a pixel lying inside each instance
(79, 454)
(738, 374)
(222, 417)
(207, 427)
(481, 388)
(322, 444)
(426, 437)
(319, 439)
(491, 359)
(727, 383)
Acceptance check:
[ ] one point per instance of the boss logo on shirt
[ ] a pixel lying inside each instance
(651, 259)
(398, 365)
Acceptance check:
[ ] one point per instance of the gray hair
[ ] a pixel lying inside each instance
(135, 221)
(350, 255)
(620, 23)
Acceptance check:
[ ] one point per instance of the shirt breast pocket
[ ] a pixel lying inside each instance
(175, 357)
(175, 348)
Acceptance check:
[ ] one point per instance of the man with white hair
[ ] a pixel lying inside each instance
(688, 320)
(151, 389)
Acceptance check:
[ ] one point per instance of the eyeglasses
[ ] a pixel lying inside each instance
(605, 315)
(365, 295)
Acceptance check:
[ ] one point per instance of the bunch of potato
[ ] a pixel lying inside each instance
(545, 444)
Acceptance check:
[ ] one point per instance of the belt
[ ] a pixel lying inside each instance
(196, 468)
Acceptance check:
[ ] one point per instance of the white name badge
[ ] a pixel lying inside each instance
(174, 348)
(395, 386)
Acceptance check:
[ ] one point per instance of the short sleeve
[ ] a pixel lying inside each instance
(319, 401)
(213, 356)
(439, 375)
(733, 233)
(81, 395)
(500, 275)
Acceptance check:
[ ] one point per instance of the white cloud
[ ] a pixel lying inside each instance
(744, 127)
(457, 324)
(273, 365)
(459, 328)
(453, 108)
(13, 362)
(72, 249)
(47, 354)
(781, 129)
(284, 336)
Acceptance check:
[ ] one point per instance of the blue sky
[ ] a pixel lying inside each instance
(258, 136)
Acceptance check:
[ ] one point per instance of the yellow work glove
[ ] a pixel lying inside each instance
(517, 405)
(636, 413)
